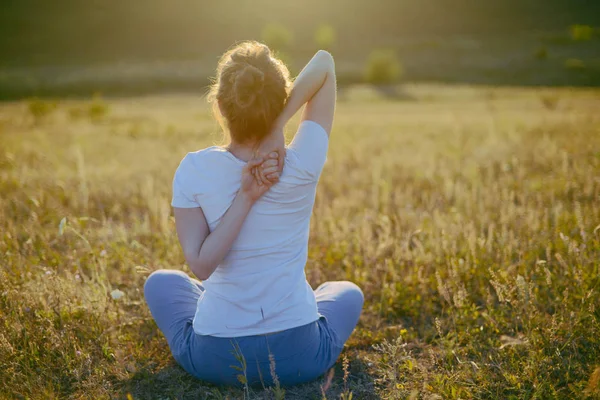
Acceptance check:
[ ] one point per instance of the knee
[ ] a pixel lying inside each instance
(351, 293)
(355, 294)
(158, 280)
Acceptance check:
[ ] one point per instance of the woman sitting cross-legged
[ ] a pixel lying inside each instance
(243, 223)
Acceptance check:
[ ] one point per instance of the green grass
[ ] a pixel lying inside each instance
(469, 216)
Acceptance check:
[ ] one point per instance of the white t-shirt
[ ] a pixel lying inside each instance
(260, 287)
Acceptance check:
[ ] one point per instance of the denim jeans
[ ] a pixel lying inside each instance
(294, 356)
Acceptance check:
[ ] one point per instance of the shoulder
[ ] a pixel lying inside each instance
(308, 151)
(200, 159)
(312, 127)
(310, 135)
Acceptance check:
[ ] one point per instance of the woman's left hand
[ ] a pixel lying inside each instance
(272, 144)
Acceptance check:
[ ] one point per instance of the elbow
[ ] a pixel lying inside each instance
(199, 269)
(326, 57)
(325, 54)
(200, 272)
(202, 277)
(327, 62)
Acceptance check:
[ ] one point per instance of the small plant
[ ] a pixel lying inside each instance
(383, 67)
(277, 37)
(40, 108)
(574, 64)
(581, 33)
(549, 102)
(241, 377)
(325, 37)
(97, 109)
(346, 394)
(277, 390)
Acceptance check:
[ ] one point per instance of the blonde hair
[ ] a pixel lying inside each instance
(249, 92)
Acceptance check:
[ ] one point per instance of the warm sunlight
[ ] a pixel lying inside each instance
(260, 199)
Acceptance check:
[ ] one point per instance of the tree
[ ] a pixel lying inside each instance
(277, 37)
(383, 67)
(325, 37)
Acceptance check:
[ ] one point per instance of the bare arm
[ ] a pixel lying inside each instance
(205, 250)
(315, 86)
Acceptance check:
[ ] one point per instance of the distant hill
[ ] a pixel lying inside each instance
(120, 46)
(42, 32)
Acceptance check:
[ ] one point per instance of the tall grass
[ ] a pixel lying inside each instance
(470, 218)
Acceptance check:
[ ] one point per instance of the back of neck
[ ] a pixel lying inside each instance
(242, 151)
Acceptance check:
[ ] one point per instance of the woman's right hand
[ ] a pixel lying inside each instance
(250, 188)
(269, 171)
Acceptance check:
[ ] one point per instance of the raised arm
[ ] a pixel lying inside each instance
(315, 86)
(205, 250)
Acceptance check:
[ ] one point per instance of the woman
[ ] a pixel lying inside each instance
(254, 314)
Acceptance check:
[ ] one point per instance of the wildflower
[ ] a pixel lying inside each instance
(116, 294)
(103, 253)
(62, 225)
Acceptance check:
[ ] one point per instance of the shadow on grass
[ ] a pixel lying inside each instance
(393, 92)
(171, 381)
(369, 92)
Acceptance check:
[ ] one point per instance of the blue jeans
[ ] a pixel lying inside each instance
(294, 356)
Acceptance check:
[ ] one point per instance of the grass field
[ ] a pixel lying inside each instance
(469, 216)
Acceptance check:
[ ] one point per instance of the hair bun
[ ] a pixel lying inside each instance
(248, 84)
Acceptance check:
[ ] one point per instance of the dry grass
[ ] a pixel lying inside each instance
(470, 217)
